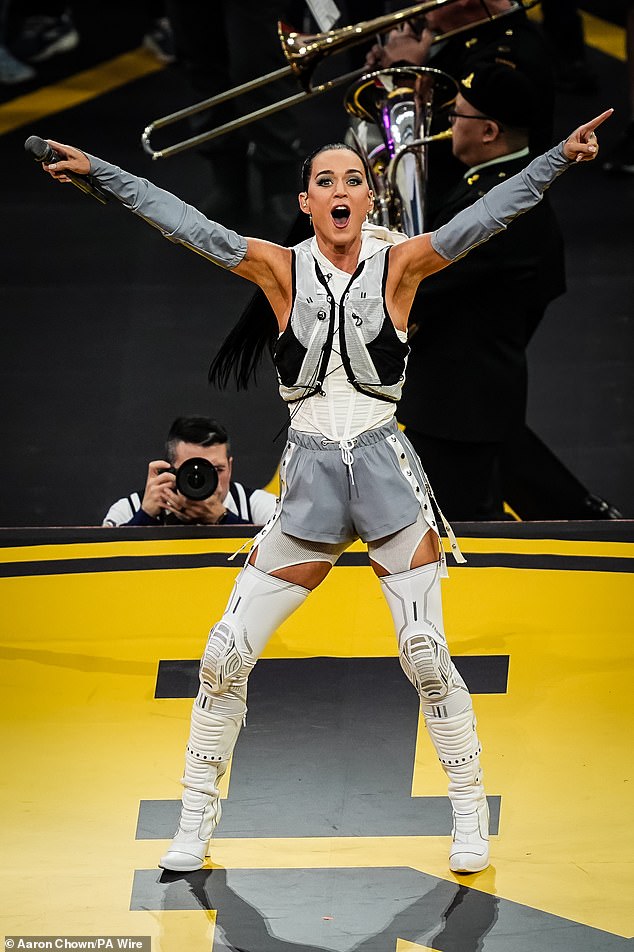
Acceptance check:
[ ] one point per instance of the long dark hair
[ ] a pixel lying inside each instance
(240, 354)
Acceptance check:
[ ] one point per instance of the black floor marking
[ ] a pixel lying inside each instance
(328, 751)
(483, 674)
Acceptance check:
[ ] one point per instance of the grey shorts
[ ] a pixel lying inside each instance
(379, 490)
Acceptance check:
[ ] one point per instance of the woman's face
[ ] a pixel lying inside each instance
(338, 197)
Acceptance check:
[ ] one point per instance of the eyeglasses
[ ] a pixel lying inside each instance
(452, 116)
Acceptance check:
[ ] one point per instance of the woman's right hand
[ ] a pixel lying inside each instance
(72, 161)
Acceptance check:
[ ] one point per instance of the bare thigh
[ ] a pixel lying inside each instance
(295, 560)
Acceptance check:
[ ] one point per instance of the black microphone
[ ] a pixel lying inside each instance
(43, 152)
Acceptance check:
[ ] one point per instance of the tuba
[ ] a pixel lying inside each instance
(396, 111)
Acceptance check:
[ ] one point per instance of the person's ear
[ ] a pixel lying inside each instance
(491, 131)
(303, 202)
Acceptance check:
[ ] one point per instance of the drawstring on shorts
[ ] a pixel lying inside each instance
(346, 447)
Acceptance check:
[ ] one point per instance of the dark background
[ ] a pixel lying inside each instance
(108, 330)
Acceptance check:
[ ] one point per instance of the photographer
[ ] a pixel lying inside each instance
(227, 503)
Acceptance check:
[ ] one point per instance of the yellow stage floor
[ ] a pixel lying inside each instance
(86, 623)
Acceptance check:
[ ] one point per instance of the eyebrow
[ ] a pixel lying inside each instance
(331, 172)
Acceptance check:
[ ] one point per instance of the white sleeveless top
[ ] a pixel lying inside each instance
(343, 412)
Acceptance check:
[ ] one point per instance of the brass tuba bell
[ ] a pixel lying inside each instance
(397, 110)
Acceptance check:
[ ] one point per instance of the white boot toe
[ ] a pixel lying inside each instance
(186, 853)
(470, 848)
(463, 861)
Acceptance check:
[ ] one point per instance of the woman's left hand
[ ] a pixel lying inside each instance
(583, 145)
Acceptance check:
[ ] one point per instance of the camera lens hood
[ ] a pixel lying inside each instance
(196, 478)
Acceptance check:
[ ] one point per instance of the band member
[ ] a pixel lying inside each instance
(341, 300)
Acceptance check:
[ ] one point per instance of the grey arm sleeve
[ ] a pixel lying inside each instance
(177, 221)
(497, 209)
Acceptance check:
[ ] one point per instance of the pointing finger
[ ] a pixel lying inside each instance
(596, 122)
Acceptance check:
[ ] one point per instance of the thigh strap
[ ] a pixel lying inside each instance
(400, 451)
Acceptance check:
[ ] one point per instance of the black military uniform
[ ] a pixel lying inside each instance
(465, 391)
(511, 39)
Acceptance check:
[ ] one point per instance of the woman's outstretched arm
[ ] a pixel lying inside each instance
(262, 262)
(413, 260)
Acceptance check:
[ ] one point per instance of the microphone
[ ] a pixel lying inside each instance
(43, 152)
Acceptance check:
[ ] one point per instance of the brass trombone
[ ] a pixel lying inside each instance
(303, 52)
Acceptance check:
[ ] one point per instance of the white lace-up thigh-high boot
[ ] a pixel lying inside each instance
(259, 603)
(415, 602)
(213, 734)
(453, 734)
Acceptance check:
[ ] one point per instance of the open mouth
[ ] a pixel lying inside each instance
(340, 216)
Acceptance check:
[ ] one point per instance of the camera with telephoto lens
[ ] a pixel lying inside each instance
(196, 478)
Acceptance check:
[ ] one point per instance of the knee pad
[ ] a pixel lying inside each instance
(258, 605)
(226, 658)
(415, 603)
(427, 663)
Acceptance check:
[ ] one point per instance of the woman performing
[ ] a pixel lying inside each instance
(341, 300)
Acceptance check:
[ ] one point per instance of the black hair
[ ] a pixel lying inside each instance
(242, 350)
(240, 354)
(200, 430)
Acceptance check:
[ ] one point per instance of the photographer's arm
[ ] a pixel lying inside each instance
(159, 488)
(141, 518)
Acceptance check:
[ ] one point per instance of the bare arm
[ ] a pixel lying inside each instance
(266, 264)
(414, 260)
